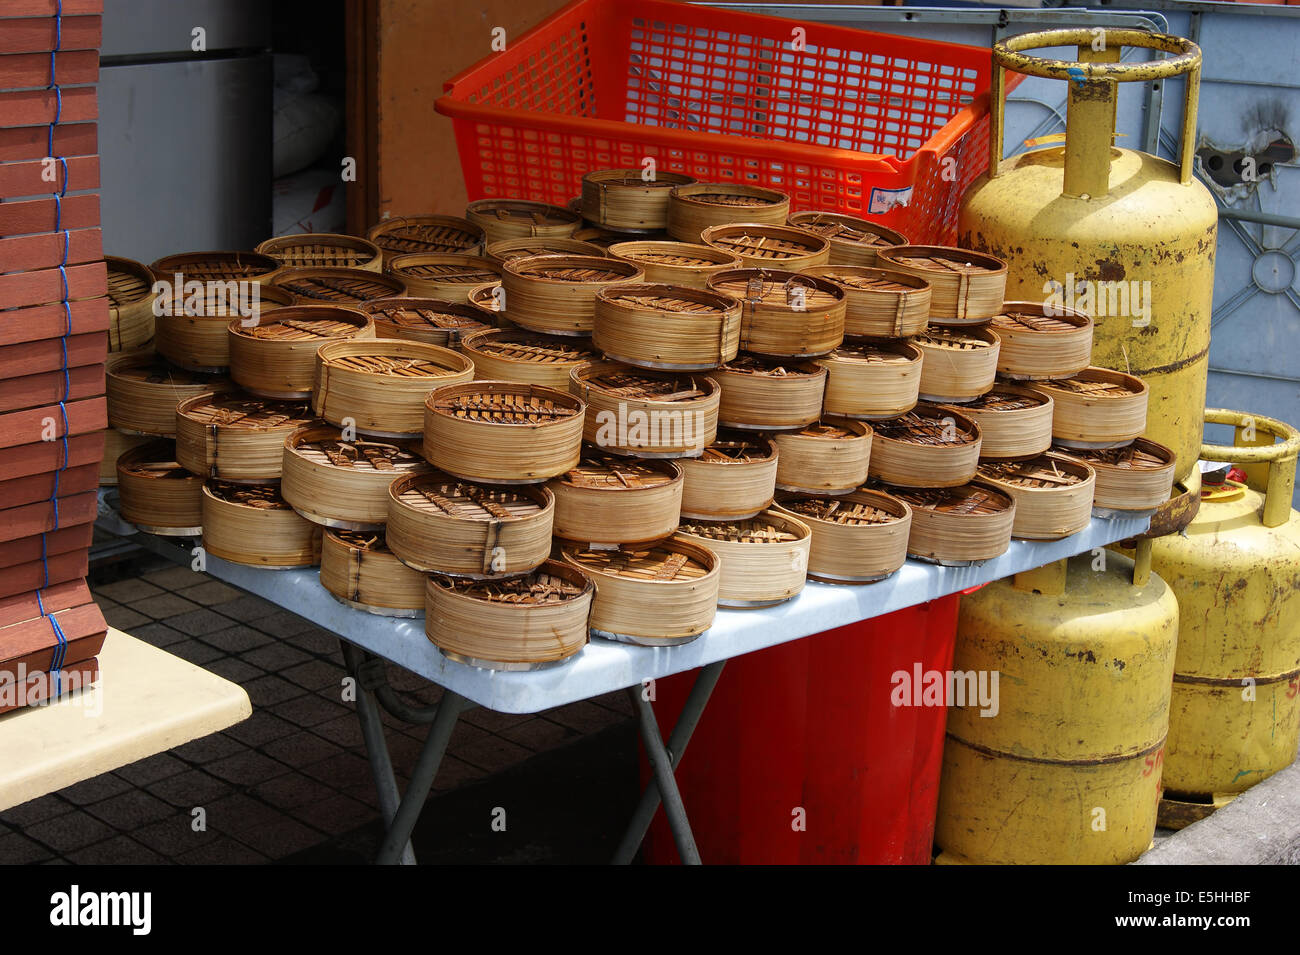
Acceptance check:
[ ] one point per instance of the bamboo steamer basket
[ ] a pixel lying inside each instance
(694, 207)
(1132, 481)
(784, 314)
(201, 341)
(329, 250)
(503, 432)
(663, 326)
(438, 524)
(827, 457)
(507, 250)
(683, 264)
(358, 570)
(443, 276)
(874, 378)
(428, 320)
(606, 499)
(556, 294)
(879, 303)
(857, 538)
(603, 238)
(346, 287)
(1097, 408)
(143, 392)
(646, 414)
(277, 358)
(340, 483)
(930, 446)
(518, 218)
(116, 443)
(853, 241)
(958, 526)
(764, 558)
(252, 524)
(1015, 422)
(760, 246)
(1037, 345)
(734, 479)
(959, 364)
(527, 623)
(216, 267)
(156, 494)
(400, 235)
(769, 394)
(130, 304)
(1053, 494)
(507, 354)
(235, 437)
(488, 298)
(654, 595)
(379, 386)
(967, 287)
(621, 200)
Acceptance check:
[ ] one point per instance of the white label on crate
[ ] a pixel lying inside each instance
(882, 200)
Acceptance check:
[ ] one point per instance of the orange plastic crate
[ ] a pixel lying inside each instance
(889, 127)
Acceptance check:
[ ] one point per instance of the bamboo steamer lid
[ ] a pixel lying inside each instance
(517, 218)
(527, 623)
(323, 250)
(769, 394)
(1132, 480)
(235, 437)
(252, 524)
(507, 250)
(960, 363)
(764, 558)
(116, 443)
(130, 304)
(1038, 342)
(734, 479)
(216, 267)
(441, 275)
(344, 483)
(656, 595)
(195, 335)
(556, 294)
(879, 303)
(826, 457)
(346, 287)
(143, 392)
(760, 246)
(683, 264)
(694, 207)
(488, 298)
(156, 494)
(785, 314)
(1097, 408)
(857, 538)
(606, 499)
(511, 354)
(930, 446)
(358, 570)
(277, 358)
(853, 241)
(957, 526)
(428, 320)
(622, 200)
(646, 414)
(967, 287)
(399, 235)
(1015, 421)
(667, 327)
(1053, 494)
(872, 378)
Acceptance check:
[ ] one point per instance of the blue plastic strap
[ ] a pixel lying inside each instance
(60, 654)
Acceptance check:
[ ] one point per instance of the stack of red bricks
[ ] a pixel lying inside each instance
(53, 342)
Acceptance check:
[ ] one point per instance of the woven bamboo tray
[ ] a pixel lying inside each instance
(960, 363)
(503, 432)
(379, 386)
(958, 526)
(359, 570)
(760, 246)
(826, 457)
(966, 287)
(653, 595)
(156, 494)
(130, 303)
(348, 287)
(693, 208)
(857, 538)
(663, 326)
(683, 264)
(764, 558)
(785, 314)
(507, 354)
(489, 298)
(116, 443)
(344, 483)
(440, 525)
(1097, 408)
(252, 524)
(622, 201)
(1131, 480)
(647, 414)
(872, 378)
(1015, 422)
(216, 267)
(507, 250)
(879, 303)
(1036, 345)
(769, 394)
(929, 446)
(441, 275)
(327, 250)
(853, 241)
(235, 437)
(428, 320)
(277, 358)
(400, 235)
(143, 392)
(556, 294)
(1053, 494)
(734, 479)
(517, 218)
(196, 336)
(528, 623)
(606, 499)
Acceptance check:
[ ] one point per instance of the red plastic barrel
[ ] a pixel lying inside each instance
(801, 755)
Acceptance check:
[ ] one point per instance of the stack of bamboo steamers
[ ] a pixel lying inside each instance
(538, 424)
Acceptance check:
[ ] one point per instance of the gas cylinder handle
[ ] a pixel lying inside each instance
(1092, 80)
(1280, 457)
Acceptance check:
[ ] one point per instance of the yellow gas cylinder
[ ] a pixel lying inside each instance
(1235, 715)
(1066, 769)
(1123, 235)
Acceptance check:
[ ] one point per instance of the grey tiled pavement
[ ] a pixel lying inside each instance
(292, 776)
